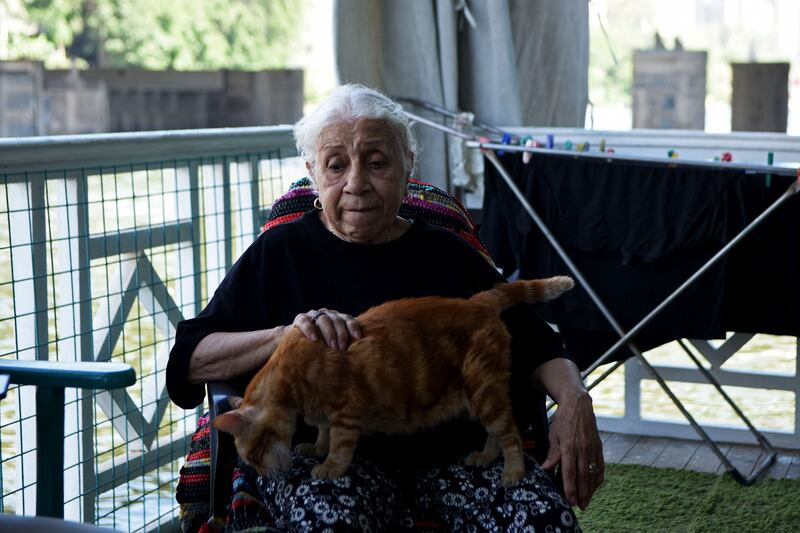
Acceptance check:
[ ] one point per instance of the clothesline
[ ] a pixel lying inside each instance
(474, 141)
(659, 161)
(454, 115)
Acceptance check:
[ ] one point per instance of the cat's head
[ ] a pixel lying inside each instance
(263, 436)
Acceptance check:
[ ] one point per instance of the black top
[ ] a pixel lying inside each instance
(299, 266)
(637, 231)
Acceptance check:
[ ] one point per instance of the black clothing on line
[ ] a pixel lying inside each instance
(300, 265)
(637, 231)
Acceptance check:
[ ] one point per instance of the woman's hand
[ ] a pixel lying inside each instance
(574, 440)
(576, 445)
(337, 329)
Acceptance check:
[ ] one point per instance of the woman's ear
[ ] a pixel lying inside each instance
(311, 168)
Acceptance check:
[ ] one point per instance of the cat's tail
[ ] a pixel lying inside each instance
(524, 291)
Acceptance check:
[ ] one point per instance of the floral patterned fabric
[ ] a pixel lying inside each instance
(368, 498)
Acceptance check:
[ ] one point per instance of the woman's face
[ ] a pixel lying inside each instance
(360, 172)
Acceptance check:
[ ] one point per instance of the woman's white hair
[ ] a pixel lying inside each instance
(352, 102)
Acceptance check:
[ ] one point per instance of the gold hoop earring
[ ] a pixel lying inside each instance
(318, 203)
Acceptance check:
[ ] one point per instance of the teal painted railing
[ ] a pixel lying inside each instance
(50, 380)
(106, 243)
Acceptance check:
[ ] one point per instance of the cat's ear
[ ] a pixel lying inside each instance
(232, 422)
(235, 401)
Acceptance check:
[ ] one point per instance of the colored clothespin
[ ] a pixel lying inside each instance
(522, 142)
(727, 157)
(506, 140)
(550, 140)
(567, 145)
(537, 144)
(526, 156)
(716, 158)
(610, 150)
(602, 145)
(672, 154)
(483, 140)
(770, 160)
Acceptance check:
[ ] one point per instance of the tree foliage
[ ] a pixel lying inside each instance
(626, 28)
(160, 34)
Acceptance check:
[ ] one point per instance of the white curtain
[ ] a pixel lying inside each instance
(524, 62)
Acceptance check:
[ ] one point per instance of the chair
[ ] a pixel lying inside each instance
(423, 201)
(50, 379)
(222, 452)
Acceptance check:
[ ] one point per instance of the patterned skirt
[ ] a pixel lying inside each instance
(371, 498)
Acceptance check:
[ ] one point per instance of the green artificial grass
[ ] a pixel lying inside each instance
(655, 500)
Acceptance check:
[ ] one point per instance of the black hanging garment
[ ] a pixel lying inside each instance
(637, 231)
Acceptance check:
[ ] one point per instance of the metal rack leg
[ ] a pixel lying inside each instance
(765, 444)
(762, 440)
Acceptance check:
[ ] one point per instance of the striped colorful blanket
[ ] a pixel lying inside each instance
(423, 201)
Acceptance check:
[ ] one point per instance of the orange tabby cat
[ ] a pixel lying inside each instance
(420, 362)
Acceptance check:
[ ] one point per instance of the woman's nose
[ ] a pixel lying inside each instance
(357, 179)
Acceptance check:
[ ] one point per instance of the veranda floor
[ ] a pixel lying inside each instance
(694, 455)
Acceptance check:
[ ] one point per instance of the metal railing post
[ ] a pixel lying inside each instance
(50, 451)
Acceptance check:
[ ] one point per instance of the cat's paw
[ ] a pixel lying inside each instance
(309, 449)
(326, 471)
(512, 475)
(480, 458)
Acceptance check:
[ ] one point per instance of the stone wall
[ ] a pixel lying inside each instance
(21, 112)
(74, 104)
(34, 101)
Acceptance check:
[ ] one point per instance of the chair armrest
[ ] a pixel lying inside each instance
(218, 392)
(4, 380)
(59, 374)
(50, 379)
(222, 450)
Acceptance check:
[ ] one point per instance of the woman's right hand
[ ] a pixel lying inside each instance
(337, 329)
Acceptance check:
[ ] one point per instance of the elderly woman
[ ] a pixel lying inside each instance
(352, 252)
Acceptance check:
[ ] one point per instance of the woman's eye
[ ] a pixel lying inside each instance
(335, 167)
(377, 163)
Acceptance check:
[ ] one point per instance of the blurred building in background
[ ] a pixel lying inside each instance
(669, 89)
(37, 101)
